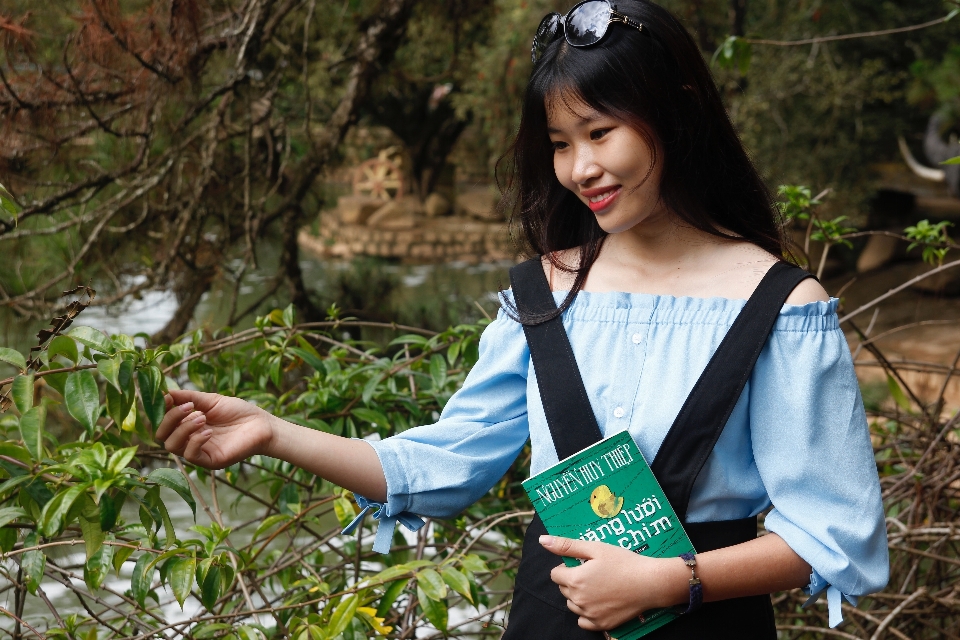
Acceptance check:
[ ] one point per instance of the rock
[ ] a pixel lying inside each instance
(396, 214)
(878, 252)
(357, 209)
(436, 205)
(945, 283)
(478, 203)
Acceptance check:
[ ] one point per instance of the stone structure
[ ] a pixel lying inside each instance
(405, 230)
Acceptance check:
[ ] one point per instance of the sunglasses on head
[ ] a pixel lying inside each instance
(584, 25)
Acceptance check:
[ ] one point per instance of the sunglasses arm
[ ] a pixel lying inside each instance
(616, 16)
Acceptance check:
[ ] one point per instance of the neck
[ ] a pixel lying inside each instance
(661, 241)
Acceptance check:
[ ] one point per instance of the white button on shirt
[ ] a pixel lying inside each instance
(637, 338)
(618, 412)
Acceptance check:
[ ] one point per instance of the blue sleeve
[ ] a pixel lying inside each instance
(813, 451)
(440, 469)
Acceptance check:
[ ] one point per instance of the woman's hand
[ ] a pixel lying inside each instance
(614, 584)
(213, 431)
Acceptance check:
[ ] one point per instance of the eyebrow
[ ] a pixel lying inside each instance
(582, 121)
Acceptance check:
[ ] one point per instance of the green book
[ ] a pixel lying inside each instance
(608, 493)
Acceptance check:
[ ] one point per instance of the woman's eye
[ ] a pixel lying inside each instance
(596, 134)
(557, 145)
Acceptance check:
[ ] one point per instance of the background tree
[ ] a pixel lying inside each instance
(199, 126)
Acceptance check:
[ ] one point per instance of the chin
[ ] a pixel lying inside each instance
(613, 224)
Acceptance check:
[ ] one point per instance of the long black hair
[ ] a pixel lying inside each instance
(655, 79)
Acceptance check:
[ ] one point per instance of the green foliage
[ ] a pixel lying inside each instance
(109, 486)
(932, 237)
(734, 53)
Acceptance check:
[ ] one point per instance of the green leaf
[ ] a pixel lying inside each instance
(434, 610)
(93, 338)
(438, 370)
(14, 451)
(309, 358)
(394, 589)
(342, 615)
(120, 399)
(898, 395)
(109, 368)
(288, 314)
(457, 581)
(269, 522)
(53, 516)
(93, 534)
(152, 498)
(7, 203)
(22, 392)
(344, 510)
(453, 352)
(57, 380)
(142, 578)
(63, 346)
(31, 431)
(181, 575)
(173, 479)
(432, 584)
(151, 392)
(209, 630)
(8, 539)
(83, 399)
(108, 513)
(9, 514)
(120, 459)
(98, 566)
(955, 160)
(33, 562)
(13, 357)
(210, 591)
(370, 415)
(120, 555)
(474, 564)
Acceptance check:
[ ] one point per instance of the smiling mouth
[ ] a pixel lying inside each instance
(603, 200)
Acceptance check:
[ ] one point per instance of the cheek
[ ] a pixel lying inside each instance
(562, 167)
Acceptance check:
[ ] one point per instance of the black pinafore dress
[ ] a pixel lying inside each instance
(539, 610)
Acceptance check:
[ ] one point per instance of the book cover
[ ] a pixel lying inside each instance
(607, 493)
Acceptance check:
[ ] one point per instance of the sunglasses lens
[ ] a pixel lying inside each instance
(587, 23)
(546, 33)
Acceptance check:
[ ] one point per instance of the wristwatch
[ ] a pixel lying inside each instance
(696, 590)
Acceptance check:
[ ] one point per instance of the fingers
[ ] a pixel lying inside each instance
(194, 449)
(173, 417)
(202, 401)
(585, 623)
(176, 442)
(570, 548)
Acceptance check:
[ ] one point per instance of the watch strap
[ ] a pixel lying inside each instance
(696, 589)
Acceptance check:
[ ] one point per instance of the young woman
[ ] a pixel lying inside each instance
(654, 227)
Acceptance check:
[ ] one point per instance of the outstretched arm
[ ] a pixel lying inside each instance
(215, 431)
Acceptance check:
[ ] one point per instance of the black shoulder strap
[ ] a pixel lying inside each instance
(700, 422)
(703, 415)
(569, 414)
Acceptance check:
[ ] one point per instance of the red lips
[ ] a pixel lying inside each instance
(600, 205)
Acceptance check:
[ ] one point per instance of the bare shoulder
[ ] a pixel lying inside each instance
(808, 291)
(754, 263)
(742, 267)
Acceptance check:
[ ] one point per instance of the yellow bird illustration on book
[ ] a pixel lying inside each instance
(604, 503)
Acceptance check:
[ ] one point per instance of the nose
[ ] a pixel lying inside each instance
(585, 166)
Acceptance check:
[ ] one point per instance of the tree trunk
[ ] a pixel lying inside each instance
(189, 291)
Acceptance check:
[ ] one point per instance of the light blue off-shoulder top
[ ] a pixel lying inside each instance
(797, 440)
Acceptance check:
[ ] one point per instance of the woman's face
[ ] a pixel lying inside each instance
(605, 162)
